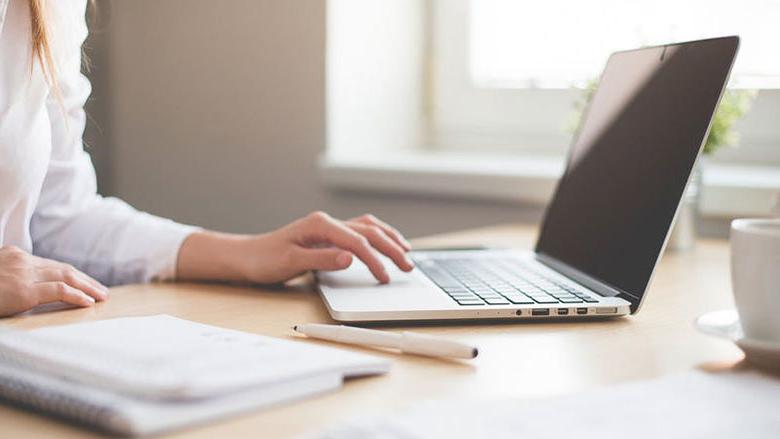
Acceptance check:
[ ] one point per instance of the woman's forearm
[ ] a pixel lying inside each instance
(206, 255)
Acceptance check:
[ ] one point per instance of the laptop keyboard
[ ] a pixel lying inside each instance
(498, 281)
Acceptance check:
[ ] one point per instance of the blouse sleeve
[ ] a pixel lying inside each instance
(104, 237)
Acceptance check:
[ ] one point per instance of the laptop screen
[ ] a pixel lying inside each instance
(630, 161)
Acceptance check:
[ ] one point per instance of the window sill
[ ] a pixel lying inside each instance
(728, 190)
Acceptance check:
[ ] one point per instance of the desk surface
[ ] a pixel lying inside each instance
(516, 359)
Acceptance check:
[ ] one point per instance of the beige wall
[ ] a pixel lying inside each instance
(213, 113)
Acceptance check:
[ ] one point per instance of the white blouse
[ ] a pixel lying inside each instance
(48, 195)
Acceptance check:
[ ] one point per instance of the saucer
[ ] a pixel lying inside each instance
(725, 324)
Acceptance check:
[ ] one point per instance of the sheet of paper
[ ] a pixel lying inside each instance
(689, 406)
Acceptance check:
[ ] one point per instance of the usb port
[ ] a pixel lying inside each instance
(540, 312)
(582, 311)
(563, 311)
(609, 310)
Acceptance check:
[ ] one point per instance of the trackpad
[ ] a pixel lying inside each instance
(355, 290)
(357, 275)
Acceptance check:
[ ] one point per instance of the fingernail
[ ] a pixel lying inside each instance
(343, 259)
(91, 299)
(408, 261)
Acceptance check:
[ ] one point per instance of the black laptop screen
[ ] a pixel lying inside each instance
(629, 163)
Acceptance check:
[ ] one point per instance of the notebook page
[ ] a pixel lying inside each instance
(166, 357)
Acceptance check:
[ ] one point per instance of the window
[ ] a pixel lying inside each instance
(506, 73)
(475, 98)
(560, 43)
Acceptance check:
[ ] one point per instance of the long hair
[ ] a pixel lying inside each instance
(41, 42)
(39, 37)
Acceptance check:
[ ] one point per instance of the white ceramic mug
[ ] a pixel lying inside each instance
(755, 276)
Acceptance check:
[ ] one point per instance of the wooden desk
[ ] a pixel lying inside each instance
(516, 359)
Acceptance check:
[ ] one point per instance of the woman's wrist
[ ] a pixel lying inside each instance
(206, 255)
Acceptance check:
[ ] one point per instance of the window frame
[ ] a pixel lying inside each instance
(537, 121)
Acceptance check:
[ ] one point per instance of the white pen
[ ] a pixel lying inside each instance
(406, 342)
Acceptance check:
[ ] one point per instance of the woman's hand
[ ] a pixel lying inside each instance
(315, 242)
(27, 281)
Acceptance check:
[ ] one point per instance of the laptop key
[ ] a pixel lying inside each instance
(484, 294)
(572, 300)
(458, 291)
(532, 292)
(520, 300)
(515, 294)
(462, 293)
(470, 302)
(500, 301)
(445, 282)
(466, 297)
(564, 296)
(489, 294)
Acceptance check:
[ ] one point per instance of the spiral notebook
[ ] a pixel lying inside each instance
(144, 375)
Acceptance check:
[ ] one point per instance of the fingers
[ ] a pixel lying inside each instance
(76, 279)
(382, 242)
(31, 280)
(323, 258)
(60, 291)
(85, 283)
(324, 228)
(394, 234)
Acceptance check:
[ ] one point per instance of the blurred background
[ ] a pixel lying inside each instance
(436, 115)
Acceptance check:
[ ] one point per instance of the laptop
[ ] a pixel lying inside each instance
(607, 224)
